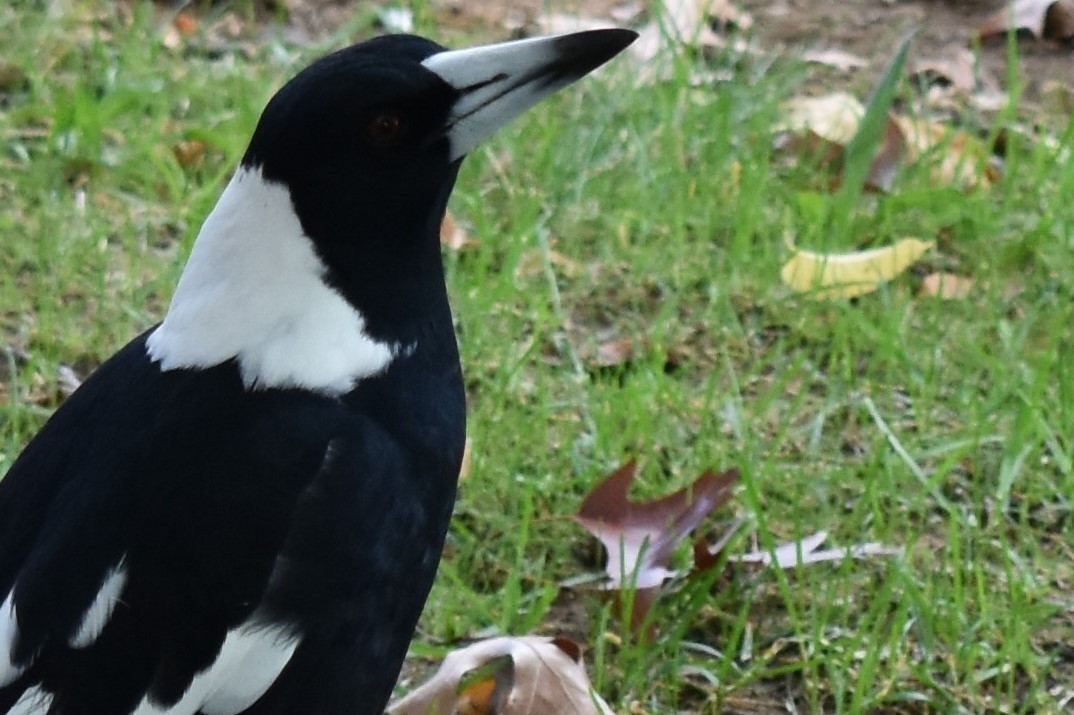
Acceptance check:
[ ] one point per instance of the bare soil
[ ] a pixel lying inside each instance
(869, 29)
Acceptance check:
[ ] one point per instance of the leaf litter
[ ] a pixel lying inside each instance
(524, 675)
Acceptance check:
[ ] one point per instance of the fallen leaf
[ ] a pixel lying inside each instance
(68, 379)
(845, 275)
(958, 159)
(639, 537)
(1044, 19)
(833, 117)
(609, 353)
(956, 71)
(946, 286)
(484, 690)
(526, 675)
(885, 166)
(186, 24)
(805, 552)
(453, 237)
(708, 555)
(822, 127)
(189, 152)
(467, 459)
(839, 59)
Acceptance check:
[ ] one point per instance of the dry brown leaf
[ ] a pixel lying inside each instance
(885, 166)
(186, 24)
(958, 158)
(453, 237)
(956, 70)
(833, 117)
(639, 537)
(839, 59)
(822, 127)
(946, 286)
(844, 275)
(614, 352)
(807, 551)
(467, 459)
(1044, 19)
(189, 152)
(526, 675)
(707, 555)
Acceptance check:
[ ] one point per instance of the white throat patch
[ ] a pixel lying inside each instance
(253, 291)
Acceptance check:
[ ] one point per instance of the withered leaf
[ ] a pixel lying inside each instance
(839, 59)
(1044, 19)
(640, 536)
(453, 237)
(956, 158)
(827, 276)
(946, 286)
(526, 675)
(956, 70)
(807, 551)
(822, 127)
(189, 152)
(614, 352)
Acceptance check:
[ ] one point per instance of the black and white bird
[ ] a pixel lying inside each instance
(242, 511)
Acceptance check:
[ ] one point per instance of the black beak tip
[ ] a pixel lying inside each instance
(592, 48)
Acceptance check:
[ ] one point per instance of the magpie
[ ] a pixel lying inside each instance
(242, 511)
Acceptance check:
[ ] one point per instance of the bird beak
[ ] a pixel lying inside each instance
(496, 83)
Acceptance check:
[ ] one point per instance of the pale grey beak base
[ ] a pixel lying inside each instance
(499, 82)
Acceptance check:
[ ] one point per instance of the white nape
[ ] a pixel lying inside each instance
(9, 631)
(253, 290)
(250, 660)
(34, 701)
(98, 613)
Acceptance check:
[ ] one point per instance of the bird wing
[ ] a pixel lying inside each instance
(152, 533)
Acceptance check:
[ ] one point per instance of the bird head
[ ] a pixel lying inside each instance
(321, 261)
(376, 131)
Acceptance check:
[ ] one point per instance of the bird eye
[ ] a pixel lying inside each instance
(385, 129)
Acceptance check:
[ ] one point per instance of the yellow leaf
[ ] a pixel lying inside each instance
(833, 117)
(845, 275)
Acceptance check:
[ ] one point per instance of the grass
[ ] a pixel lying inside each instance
(941, 427)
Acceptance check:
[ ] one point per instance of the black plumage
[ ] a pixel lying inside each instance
(242, 511)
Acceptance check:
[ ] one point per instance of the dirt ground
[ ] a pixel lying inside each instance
(866, 29)
(871, 27)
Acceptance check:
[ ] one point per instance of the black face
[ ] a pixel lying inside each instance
(358, 139)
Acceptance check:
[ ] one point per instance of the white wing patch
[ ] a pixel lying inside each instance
(253, 290)
(34, 701)
(249, 662)
(9, 631)
(98, 613)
